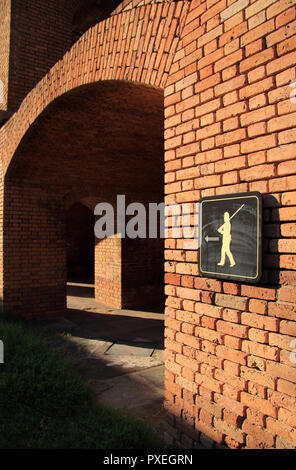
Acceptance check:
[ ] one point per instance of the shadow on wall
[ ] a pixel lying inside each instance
(272, 275)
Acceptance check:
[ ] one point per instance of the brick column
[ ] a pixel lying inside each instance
(34, 261)
(129, 273)
(108, 272)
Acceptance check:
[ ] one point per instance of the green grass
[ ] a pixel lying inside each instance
(44, 403)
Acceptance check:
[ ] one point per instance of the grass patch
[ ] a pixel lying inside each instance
(44, 403)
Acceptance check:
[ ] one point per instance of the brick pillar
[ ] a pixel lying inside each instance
(34, 252)
(108, 270)
(129, 272)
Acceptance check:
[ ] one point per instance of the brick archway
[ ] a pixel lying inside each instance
(132, 60)
(137, 45)
(85, 144)
(138, 48)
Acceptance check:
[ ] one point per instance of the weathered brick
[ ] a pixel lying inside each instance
(262, 114)
(283, 122)
(260, 321)
(258, 171)
(259, 404)
(233, 9)
(283, 152)
(235, 356)
(259, 433)
(255, 60)
(232, 329)
(261, 350)
(258, 6)
(259, 143)
(281, 370)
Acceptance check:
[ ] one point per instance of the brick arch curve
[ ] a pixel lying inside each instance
(137, 45)
(54, 165)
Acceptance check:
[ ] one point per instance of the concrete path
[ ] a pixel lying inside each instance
(120, 352)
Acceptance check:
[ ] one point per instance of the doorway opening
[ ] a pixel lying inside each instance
(80, 244)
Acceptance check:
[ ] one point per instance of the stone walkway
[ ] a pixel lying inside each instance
(120, 352)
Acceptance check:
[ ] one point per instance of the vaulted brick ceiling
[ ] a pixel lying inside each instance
(108, 135)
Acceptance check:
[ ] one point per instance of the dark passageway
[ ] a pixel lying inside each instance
(80, 243)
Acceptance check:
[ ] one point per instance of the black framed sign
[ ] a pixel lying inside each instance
(230, 234)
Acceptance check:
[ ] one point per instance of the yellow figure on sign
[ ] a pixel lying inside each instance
(225, 231)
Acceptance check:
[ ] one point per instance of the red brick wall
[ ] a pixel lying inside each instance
(225, 67)
(230, 128)
(40, 34)
(34, 50)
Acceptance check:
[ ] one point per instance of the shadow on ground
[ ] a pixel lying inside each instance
(120, 352)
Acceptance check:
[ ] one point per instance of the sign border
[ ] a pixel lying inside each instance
(235, 277)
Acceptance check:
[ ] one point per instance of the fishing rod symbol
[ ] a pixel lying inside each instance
(225, 230)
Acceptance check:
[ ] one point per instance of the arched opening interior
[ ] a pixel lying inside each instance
(88, 146)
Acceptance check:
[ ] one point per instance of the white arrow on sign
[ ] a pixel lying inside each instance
(211, 239)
